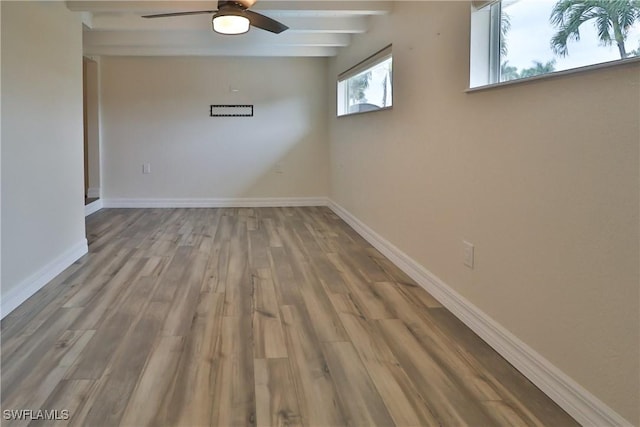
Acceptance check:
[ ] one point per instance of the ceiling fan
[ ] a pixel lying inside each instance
(233, 17)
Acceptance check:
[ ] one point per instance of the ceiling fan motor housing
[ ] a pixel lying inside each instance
(230, 19)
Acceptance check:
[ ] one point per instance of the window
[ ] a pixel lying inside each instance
(516, 39)
(367, 86)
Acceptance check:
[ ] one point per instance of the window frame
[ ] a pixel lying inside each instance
(484, 56)
(372, 61)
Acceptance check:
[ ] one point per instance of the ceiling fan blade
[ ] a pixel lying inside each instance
(265, 23)
(165, 15)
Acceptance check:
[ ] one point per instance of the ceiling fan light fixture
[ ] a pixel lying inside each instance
(229, 21)
(232, 17)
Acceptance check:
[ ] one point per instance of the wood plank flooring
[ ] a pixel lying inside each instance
(235, 317)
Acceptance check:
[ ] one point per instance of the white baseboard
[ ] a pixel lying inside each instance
(93, 192)
(216, 203)
(93, 207)
(587, 409)
(32, 284)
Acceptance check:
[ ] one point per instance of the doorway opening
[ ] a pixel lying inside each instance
(91, 131)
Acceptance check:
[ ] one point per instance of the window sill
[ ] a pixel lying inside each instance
(587, 68)
(357, 113)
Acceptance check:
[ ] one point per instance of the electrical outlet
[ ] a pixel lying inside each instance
(146, 168)
(278, 168)
(468, 253)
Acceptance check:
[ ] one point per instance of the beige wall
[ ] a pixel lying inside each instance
(542, 177)
(92, 91)
(0, 154)
(42, 163)
(156, 110)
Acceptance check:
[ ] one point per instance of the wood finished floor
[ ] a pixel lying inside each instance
(270, 316)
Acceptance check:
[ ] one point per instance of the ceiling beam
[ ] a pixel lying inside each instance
(327, 7)
(113, 22)
(362, 7)
(218, 50)
(255, 37)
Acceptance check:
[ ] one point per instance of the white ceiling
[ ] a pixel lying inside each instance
(316, 28)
